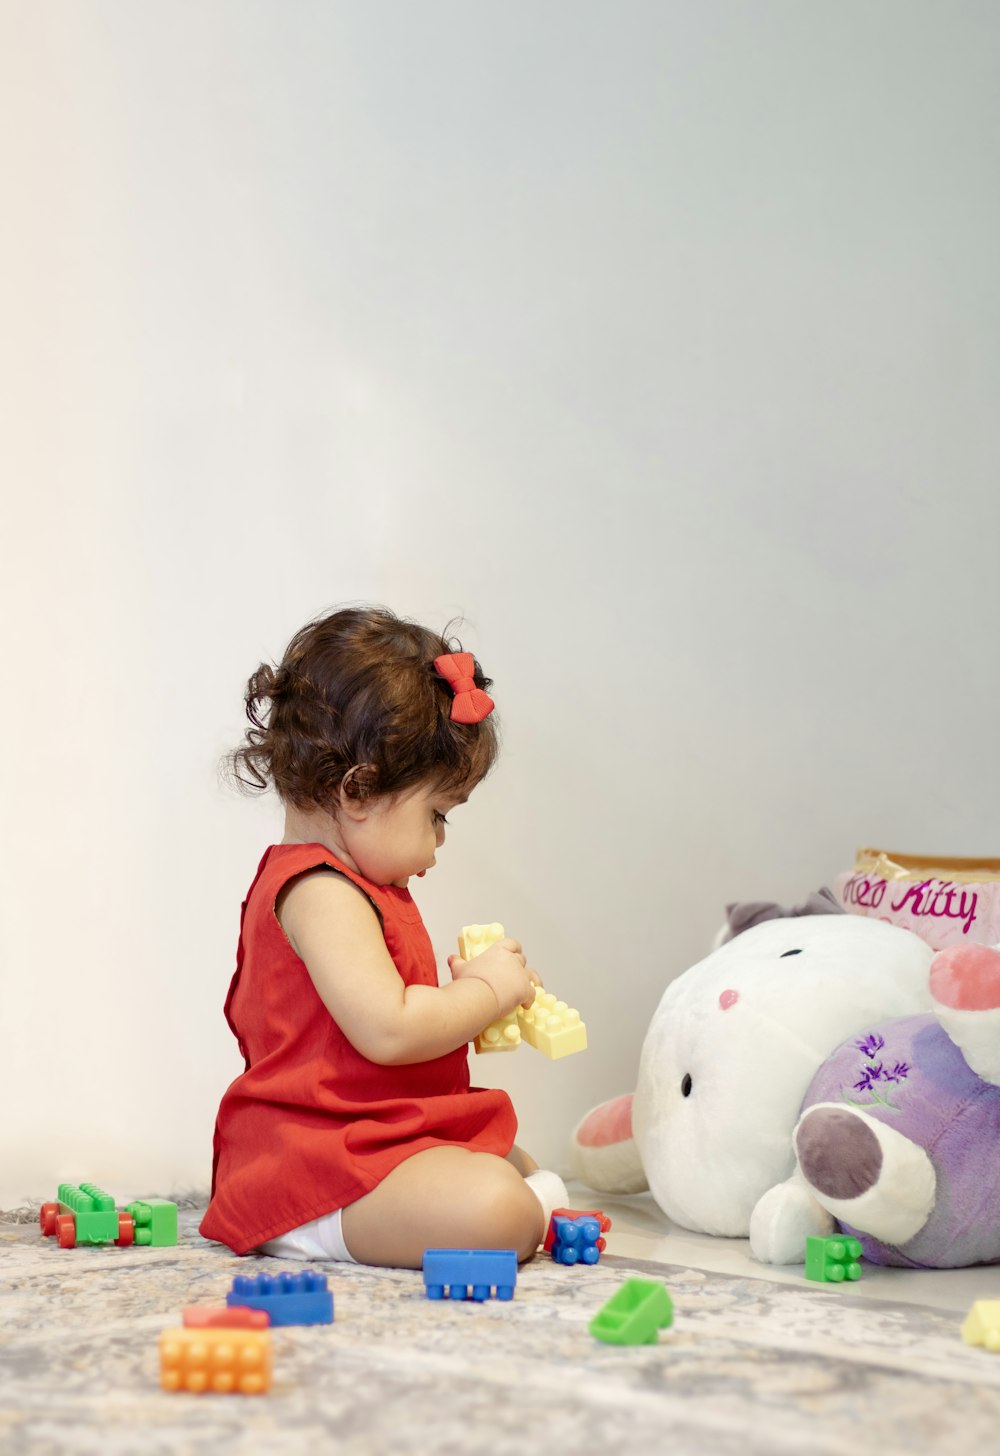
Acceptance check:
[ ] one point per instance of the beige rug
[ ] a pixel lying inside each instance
(750, 1368)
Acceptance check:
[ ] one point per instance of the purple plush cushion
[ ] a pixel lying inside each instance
(909, 1074)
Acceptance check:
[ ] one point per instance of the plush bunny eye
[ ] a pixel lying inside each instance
(686, 1085)
(788, 953)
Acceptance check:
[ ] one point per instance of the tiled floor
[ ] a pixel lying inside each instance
(641, 1231)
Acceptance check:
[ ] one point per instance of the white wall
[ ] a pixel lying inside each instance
(658, 339)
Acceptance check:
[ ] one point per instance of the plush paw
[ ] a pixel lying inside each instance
(783, 1219)
(864, 1172)
(839, 1153)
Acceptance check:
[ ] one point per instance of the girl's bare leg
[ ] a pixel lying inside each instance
(523, 1162)
(444, 1198)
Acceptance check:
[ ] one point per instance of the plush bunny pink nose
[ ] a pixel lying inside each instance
(967, 977)
(728, 998)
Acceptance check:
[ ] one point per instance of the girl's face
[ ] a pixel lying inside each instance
(396, 836)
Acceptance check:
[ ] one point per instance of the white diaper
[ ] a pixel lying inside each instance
(321, 1239)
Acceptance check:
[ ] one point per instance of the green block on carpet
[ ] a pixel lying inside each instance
(155, 1222)
(634, 1315)
(93, 1210)
(832, 1259)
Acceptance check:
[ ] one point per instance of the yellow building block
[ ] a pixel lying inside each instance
(552, 1027)
(474, 939)
(504, 1034)
(227, 1362)
(982, 1325)
(549, 1025)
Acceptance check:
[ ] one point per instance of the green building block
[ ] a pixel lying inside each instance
(93, 1209)
(635, 1314)
(833, 1259)
(155, 1222)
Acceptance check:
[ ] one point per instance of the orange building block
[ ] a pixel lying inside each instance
(226, 1362)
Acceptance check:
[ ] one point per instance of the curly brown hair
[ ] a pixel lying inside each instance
(358, 690)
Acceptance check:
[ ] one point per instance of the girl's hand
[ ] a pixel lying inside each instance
(503, 967)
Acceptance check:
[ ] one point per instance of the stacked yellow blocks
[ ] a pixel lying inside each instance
(549, 1025)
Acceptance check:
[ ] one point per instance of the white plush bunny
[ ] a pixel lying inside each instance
(729, 1055)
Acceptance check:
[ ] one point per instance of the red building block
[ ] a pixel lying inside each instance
(215, 1317)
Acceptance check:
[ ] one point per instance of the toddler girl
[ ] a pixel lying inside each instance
(353, 1133)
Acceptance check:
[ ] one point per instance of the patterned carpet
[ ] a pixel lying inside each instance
(750, 1368)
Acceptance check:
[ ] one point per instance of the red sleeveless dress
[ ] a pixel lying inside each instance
(311, 1125)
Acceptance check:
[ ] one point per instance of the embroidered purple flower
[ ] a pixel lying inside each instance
(872, 1044)
(875, 1073)
(869, 1076)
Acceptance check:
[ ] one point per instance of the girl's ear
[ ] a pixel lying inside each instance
(357, 789)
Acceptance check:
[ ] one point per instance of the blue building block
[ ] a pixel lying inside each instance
(290, 1299)
(576, 1240)
(470, 1273)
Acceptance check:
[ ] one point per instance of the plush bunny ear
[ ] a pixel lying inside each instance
(603, 1153)
(965, 986)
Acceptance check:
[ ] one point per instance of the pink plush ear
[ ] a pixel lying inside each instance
(611, 1122)
(965, 986)
(967, 977)
(603, 1153)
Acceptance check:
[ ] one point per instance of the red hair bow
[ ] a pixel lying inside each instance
(471, 704)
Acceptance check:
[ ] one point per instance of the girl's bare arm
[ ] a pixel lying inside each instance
(332, 926)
